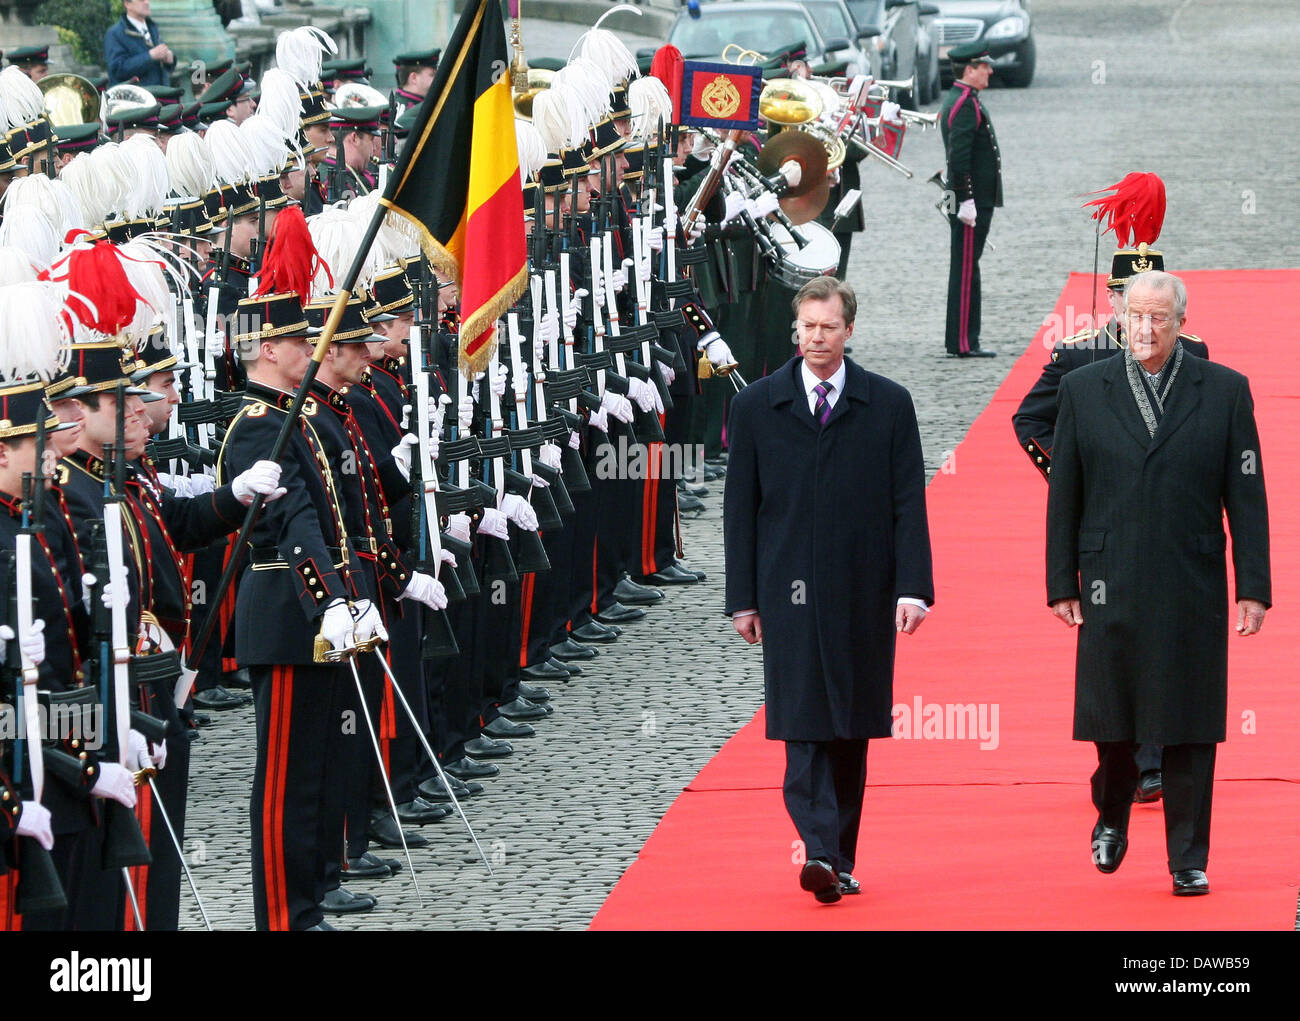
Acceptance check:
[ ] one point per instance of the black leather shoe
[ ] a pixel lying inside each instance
(1190, 883)
(721, 457)
(673, 574)
(501, 727)
(979, 352)
(345, 902)
(617, 613)
(435, 791)
(219, 699)
(712, 474)
(467, 769)
(384, 832)
(688, 504)
(545, 673)
(691, 489)
(1149, 788)
(484, 747)
(368, 866)
(417, 812)
(321, 926)
(572, 669)
(202, 720)
(568, 651)
(848, 885)
(820, 880)
(534, 693)
(235, 679)
(595, 631)
(1108, 847)
(521, 710)
(629, 593)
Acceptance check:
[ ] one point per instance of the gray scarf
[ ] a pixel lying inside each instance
(1161, 391)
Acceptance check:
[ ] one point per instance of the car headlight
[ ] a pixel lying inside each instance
(1007, 27)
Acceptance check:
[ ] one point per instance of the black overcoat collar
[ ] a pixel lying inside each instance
(1184, 397)
(787, 388)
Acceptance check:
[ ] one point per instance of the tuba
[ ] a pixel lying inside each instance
(124, 97)
(69, 99)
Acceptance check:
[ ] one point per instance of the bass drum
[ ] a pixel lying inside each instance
(820, 257)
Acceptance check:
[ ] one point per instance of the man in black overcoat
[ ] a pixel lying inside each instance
(1151, 450)
(828, 552)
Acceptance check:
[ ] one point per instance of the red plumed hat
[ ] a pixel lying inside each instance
(667, 66)
(1134, 209)
(101, 295)
(291, 259)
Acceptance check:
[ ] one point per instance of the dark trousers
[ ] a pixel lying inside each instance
(294, 806)
(963, 331)
(1188, 771)
(824, 784)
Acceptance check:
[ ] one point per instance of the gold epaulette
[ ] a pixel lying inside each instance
(1190, 336)
(1081, 336)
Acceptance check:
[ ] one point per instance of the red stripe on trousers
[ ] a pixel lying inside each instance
(140, 873)
(525, 616)
(967, 269)
(277, 904)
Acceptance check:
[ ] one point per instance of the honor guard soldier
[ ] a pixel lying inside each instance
(974, 182)
(33, 61)
(415, 71)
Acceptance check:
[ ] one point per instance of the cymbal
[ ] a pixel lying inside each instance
(808, 206)
(801, 147)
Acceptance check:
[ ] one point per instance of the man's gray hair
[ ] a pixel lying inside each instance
(821, 289)
(1157, 279)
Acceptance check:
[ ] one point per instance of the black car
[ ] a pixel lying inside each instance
(1004, 24)
(895, 29)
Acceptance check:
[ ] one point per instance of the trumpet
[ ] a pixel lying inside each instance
(740, 55)
(926, 120)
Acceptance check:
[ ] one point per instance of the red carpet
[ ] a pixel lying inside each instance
(959, 836)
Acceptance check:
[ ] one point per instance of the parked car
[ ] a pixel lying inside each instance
(765, 26)
(1003, 24)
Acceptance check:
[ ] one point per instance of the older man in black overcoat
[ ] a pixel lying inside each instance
(1151, 450)
(828, 558)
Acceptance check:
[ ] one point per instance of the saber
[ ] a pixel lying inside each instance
(130, 896)
(148, 774)
(419, 732)
(383, 773)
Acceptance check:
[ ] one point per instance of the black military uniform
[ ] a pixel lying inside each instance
(974, 174)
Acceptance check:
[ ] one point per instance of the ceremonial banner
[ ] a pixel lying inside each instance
(723, 96)
(458, 179)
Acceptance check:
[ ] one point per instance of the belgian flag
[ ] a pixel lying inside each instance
(458, 179)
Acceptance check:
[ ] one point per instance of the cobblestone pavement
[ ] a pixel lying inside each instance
(1120, 86)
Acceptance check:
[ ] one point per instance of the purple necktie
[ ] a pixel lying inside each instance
(822, 411)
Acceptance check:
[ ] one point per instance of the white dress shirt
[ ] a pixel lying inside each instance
(143, 29)
(837, 381)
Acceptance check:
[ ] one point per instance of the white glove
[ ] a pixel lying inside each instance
(547, 332)
(336, 626)
(178, 484)
(201, 484)
(406, 417)
(716, 350)
(655, 239)
(735, 202)
(696, 231)
(35, 822)
(402, 455)
(966, 212)
(641, 392)
(599, 420)
(571, 320)
(499, 379)
(764, 204)
(669, 374)
(890, 112)
(158, 752)
(518, 510)
(792, 172)
(115, 782)
(494, 523)
(701, 146)
(540, 482)
(137, 754)
(465, 412)
(617, 405)
(368, 622)
(458, 527)
(575, 439)
(447, 556)
(88, 581)
(215, 344)
(426, 589)
(32, 643)
(263, 478)
(549, 454)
